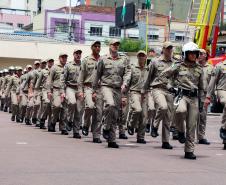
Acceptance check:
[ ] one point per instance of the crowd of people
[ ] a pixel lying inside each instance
(102, 93)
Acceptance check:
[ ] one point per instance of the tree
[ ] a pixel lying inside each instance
(131, 45)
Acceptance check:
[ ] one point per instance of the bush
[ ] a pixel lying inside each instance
(131, 45)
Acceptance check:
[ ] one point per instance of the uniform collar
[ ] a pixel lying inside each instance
(162, 58)
(110, 57)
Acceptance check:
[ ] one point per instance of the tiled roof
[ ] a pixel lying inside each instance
(29, 38)
(91, 8)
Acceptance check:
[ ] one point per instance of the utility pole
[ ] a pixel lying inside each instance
(170, 17)
(69, 24)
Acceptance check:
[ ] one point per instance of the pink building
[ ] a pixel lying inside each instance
(15, 17)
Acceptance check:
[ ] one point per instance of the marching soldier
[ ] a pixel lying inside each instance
(12, 90)
(3, 87)
(188, 78)
(218, 83)
(23, 94)
(163, 98)
(42, 83)
(113, 72)
(201, 126)
(70, 79)
(8, 98)
(137, 118)
(93, 102)
(56, 95)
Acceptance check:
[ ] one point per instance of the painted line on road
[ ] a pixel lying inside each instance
(21, 143)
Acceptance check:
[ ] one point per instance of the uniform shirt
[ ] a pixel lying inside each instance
(13, 84)
(42, 79)
(207, 71)
(112, 72)
(71, 73)
(86, 74)
(22, 79)
(154, 72)
(35, 77)
(27, 82)
(55, 78)
(138, 76)
(185, 76)
(5, 82)
(218, 79)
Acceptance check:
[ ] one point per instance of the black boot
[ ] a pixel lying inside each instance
(113, 145)
(130, 130)
(51, 127)
(154, 132)
(181, 137)
(141, 141)
(189, 155)
(22, 120)
(42, 124)
(223, 134)
(85, 131)
(34, 120)
(2, 107)
(69, 126)
(10, 111)
(166, 145)
(6, 109)
(64, 132)
(77, 136)
(97, 140)
(147, 129)
(172, 129)
(28, 121)
(13, 118)
(106, 134)
(204, 142)
(224, 146)
(123, 136)
(18, 119)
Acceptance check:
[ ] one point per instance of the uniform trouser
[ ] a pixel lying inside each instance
(3, 103)
(58, 110)
(112, 101)
(222, 96)
(30, 105)
(23, 104)
(9, 103)
(164, 104)
(45, 111)
(122, 119)
(187, 111)
(37, 102)
(71, 103)
(201, 124)
(15, 104)
(93, 111)
(151, 108)
(138, 112)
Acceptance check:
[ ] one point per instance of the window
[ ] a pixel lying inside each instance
(20, 25)
(96, 31)
(114, 32)
(153, 37)
(177, 36)
(9, 23)
(62, 27)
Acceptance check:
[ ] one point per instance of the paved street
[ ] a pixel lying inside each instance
(29, 156)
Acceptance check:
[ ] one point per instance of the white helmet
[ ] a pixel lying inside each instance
(190, 46)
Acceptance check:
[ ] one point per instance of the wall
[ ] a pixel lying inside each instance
(15, 19)
(39, 23)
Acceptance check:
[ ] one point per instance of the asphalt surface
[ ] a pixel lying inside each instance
(30, 156)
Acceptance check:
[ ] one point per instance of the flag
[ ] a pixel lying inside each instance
(123, 11)
(148, 4)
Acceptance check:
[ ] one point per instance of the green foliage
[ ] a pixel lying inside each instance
(131, 45)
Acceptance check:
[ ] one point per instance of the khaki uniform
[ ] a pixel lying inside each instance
(42, 85)
(22, 90)
(3, 87)
(162, 97)
(112, 74)
(92, 108)
(218, 81)
(37, 93)
(12, 89)
(201, 126)
(138, 104)
(190, 80)
(56, 87)
(70, 79)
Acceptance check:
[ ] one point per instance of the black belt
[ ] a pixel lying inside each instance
(189, 93)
